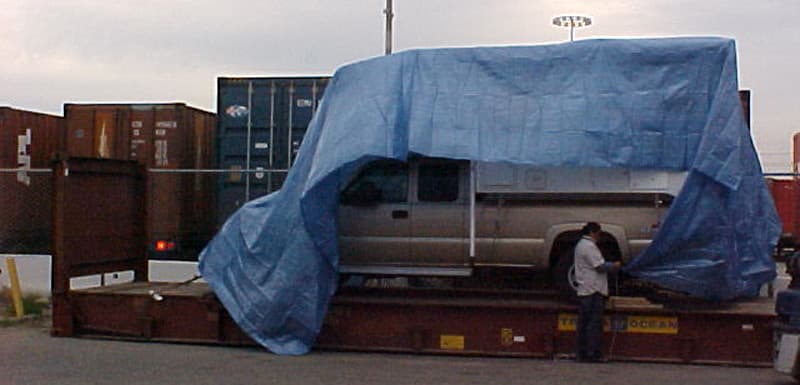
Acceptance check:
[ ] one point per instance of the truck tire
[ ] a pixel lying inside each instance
(564, 274)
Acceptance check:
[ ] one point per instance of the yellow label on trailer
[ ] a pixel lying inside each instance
(450, 342)
(506, 336)
(567, 322)
(655, 325)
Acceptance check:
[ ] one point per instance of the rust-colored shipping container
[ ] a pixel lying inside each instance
(28, 140)
(784, 196)
(744, 98)
(796, 184)
(43, 134)
(171, 140)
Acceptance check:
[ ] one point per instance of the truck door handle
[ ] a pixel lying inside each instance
(400, 214)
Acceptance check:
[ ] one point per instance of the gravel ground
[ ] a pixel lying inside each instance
(28, 355)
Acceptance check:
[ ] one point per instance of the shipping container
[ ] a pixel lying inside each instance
(175, 143)
(744, 98)
(42, 134)
(261, 124)
(796, 186)
(784, 196)
(28, 141)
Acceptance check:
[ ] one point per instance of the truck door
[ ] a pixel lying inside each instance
(439, 213)
(374, 224)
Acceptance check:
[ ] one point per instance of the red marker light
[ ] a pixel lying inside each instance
(162, 245)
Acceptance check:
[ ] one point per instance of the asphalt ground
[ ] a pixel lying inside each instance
(28, 355)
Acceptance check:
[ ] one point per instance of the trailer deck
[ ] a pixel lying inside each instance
(535, 325)
(516, 324)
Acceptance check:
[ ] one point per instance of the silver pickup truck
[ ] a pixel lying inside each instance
(411, 219)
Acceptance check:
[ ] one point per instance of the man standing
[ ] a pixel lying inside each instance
(591, 276)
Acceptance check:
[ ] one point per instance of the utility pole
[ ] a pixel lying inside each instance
(389, 15)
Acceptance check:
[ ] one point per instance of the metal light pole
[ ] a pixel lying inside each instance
(389, 15)
(572, 21)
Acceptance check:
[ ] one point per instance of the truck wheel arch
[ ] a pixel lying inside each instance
(561, 240)
(558, 234)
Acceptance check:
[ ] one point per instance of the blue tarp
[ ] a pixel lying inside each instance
(645, 103)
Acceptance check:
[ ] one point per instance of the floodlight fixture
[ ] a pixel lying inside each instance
(572, 21)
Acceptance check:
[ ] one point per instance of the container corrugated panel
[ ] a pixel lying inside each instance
(164, 138)
(261, 124)
(28, 140)
(46, 135)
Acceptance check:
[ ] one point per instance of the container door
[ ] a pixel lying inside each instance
(105, 130)
(165, 189)
(304, 96)
(265, 110)
(141, 134)
(169, 139)
(80, 131)
(234, 106)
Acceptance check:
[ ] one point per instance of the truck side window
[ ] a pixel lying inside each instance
(380, 182)
(438, 182)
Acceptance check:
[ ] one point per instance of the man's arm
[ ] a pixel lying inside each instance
(607, 267)
(599, 263)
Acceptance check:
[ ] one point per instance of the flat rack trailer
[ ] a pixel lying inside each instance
(91, 238)
(526, 324)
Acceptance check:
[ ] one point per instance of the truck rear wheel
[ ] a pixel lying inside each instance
(564, 274)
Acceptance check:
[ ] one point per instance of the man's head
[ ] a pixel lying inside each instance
(592, 229)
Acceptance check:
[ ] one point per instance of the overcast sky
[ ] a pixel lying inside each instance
(53, 52)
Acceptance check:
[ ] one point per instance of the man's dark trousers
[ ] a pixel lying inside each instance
(590, 327)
